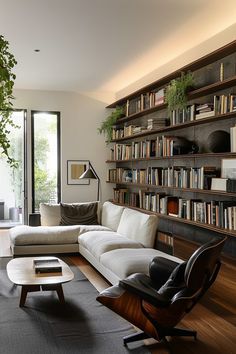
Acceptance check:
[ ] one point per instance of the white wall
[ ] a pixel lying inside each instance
(81, 115)
(196, 52)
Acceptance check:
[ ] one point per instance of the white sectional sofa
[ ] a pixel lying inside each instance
(120, 245)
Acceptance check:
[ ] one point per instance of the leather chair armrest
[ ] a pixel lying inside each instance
(34, 219)
(160, 269)
(141, 285)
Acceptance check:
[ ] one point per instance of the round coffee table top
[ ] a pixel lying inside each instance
(21, 272)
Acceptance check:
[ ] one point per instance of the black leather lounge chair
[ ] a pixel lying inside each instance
(156, 303)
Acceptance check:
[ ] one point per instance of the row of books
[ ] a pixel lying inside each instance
(161, 146)
(221, 104)
(129, 130)
(145, 101)
(179, 116)
(175, 176)
(218, 213)
(124, 196)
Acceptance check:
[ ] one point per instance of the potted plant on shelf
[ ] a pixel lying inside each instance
(7, 77)
(108, 124)
(176, 91)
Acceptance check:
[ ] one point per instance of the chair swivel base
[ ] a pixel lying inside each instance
(172, 332)
(134, 337)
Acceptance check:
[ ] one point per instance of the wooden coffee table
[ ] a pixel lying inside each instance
(21, 272)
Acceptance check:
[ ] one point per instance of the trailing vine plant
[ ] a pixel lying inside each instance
(176, 92)
(107, 125)
(7, 77)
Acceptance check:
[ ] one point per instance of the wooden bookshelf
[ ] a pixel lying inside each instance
(194, 130)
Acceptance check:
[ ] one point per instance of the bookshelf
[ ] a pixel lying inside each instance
(210, 212)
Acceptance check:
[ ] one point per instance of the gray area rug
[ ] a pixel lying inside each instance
(44, 326)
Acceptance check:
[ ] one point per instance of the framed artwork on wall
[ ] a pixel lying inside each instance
(228, 168)
(75, 168)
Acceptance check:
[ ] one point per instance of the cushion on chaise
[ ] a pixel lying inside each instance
(98, 243)
(39, 235)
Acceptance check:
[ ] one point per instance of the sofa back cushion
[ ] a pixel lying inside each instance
(111, 215)
(50, 214)
(138, 226)
(79, 213)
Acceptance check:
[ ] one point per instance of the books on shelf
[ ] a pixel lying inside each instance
(233, 139)
(47, 265)
(218, 213)
(155, 123)
(175, 176)
(219, 184)
(179, 116)
(205, 110)
(159, 97)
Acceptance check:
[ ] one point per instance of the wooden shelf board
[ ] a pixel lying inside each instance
(187, 190)
(175, 157)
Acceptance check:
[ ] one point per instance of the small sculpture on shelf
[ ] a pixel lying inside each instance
(183, 146)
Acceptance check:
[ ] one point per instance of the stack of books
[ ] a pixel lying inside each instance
(155, 123)
(205, 110)
(47, 265)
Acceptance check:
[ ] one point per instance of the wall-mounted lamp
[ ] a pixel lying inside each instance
(90, 173)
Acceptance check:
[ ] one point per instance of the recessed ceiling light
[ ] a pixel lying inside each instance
(37, 50)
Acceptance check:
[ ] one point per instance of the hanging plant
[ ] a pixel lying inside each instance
(176, 92)
(107, 125)
(7, 77)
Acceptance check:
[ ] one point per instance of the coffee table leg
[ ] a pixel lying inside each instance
(23, 295)
(24, 291)
(60, 293)
(55, 287)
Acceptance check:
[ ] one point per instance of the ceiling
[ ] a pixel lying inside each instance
(103, 45)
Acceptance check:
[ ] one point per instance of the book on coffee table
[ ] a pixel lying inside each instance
(49, 265)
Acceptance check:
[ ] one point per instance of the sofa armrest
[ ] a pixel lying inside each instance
(34, 219)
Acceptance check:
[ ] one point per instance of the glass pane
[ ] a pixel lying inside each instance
(12, 179)
(45, 159)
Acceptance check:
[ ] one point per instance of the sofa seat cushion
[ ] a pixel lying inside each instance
(40, 235)
(138, 226)
(87, 228)
(97, 242)
(128, 261)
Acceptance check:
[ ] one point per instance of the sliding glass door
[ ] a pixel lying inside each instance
(13, 191)
(46, 177)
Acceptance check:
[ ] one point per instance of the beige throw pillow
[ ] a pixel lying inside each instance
(50, 214)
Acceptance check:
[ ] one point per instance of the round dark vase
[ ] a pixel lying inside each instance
(219, 141)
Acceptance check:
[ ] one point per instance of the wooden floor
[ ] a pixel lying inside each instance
(214, 317)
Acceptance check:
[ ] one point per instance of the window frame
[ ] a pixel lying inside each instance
(58, 114)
